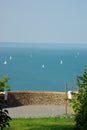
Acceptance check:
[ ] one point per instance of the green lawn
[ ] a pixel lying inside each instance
(51, 123)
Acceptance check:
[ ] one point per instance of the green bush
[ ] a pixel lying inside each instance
(4, 118)
(79, 103)
(4, 115)
(4, 85)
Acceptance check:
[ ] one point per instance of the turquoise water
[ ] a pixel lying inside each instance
(43, 68)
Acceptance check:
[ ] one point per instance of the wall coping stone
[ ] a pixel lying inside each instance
(35, 92)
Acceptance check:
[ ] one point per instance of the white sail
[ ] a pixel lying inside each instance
(61, 62)
(10, 58)
(5, 62)
(43, 66)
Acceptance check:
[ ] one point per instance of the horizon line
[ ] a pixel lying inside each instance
(40, 42)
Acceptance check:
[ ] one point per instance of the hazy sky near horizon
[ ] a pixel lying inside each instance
(43, 21)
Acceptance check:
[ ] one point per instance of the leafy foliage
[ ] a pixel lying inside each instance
(4, 115)
(3, 84)
(79, 103)
(4, 118)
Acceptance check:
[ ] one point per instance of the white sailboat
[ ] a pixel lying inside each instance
(61, 62)
(43, 66)
(10, 58)
(5, 62)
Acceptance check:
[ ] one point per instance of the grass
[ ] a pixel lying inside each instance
(51, 123)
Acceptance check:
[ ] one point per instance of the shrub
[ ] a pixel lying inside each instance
(4, 115)
(79, 103)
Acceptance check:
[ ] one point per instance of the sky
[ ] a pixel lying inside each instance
(43, 21)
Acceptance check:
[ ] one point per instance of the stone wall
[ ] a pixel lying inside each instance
(19, 98)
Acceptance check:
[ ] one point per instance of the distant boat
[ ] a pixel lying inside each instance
(43, 66)
(10, 58)
(5, 62)
(61, 62)
(30, 55)
(77, 55)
